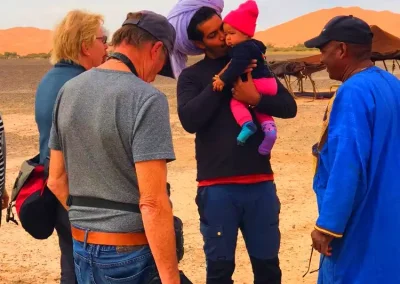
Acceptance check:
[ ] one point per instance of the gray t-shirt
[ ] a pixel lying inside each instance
(107, 121)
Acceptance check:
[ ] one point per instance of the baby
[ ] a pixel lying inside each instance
(239, 27)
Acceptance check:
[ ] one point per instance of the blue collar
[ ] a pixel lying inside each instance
(69, 63)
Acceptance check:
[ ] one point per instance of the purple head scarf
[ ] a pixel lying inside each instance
(180, 17)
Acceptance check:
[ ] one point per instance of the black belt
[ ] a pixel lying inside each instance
(102, 203)
(95, 202)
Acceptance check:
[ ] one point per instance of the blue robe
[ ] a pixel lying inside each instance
(357, 181)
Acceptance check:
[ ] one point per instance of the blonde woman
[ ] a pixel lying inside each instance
(79, 44)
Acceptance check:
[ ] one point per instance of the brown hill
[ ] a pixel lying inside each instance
(25, 40)
(32, 40)
(305, 27)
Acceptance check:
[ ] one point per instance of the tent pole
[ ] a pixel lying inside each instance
(384, 63)
(314, 88)
(302, 85)
(298, 84)
(288, 86)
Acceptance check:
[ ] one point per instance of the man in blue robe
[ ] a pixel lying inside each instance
(357, 180)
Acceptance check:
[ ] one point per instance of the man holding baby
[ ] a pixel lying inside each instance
(236, 188)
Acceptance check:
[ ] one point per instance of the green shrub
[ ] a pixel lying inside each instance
(8, 55)
(297, 48)
(37, 55)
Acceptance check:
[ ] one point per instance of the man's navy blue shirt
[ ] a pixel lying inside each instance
(46, 95)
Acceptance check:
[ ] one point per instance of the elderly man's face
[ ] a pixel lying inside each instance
(333, 55)
(155, 59)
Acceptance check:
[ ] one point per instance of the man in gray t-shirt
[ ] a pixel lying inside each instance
(104, 129)
(110, 142)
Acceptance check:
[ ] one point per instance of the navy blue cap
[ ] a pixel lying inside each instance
(347, 29)
(159, 27)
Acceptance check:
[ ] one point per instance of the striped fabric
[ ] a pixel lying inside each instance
(2, 158)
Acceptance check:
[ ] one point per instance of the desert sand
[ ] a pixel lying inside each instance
(25, 260)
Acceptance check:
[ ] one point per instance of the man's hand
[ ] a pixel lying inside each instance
(4, 200)
(218, 84)
(321, 242)
(246, 92)
(251, 66)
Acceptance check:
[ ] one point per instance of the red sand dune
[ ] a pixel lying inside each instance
(305, 27)
(24, 41)
(33, 40)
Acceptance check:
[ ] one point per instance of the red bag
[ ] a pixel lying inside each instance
(35, 204)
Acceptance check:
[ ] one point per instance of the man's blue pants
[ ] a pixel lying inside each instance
(252, 208)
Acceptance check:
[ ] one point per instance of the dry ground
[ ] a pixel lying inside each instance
(25, 260)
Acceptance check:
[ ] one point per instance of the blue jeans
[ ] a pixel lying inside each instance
(98, 264)
(252, 208)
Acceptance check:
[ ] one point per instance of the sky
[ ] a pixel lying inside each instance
(45, 14)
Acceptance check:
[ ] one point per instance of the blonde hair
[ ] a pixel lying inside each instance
(76, 28)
